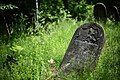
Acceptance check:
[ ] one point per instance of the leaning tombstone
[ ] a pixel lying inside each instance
(84, 48)
(100, 12)
(113, 13)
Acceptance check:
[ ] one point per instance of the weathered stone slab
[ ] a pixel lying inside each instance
(113, 13)
(100, 12)
(84, 48)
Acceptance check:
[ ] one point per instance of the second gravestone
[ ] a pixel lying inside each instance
(84, 48)
(100, 12)
(113, 13)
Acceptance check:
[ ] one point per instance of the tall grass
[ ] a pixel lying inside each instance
(33, 53)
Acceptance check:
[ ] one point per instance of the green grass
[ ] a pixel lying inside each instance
(33, 53)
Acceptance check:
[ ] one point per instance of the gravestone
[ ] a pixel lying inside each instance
(84, 48)
(113, 13)
(100, 12)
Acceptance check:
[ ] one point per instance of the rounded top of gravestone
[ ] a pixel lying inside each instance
(91, 33)
(100, 5)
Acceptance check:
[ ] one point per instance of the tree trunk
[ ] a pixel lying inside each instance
(37, 10)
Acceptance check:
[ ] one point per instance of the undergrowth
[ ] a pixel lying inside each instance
(28, 57)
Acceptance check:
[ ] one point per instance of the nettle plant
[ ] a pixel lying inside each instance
(5, 7)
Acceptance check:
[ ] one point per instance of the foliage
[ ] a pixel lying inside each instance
(3, 7)
(50, 11)
(78, 9)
